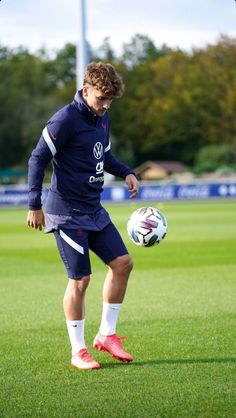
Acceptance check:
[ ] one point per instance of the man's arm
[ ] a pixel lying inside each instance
(37, 165)
(52, 140)
(38, 161)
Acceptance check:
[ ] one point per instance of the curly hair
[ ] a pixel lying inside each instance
(104, 77)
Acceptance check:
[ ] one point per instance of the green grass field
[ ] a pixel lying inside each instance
(178, 316)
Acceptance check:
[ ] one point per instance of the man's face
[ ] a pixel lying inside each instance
(95, 99)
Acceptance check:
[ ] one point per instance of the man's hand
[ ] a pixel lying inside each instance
(133, 185)
(35, 219)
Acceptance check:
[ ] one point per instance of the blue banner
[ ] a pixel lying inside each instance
(164, 192)
(17, 195)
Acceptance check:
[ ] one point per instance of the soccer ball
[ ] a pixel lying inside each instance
(147, 227)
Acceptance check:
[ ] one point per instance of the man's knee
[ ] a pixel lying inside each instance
(79, 284)
(84, 282)
(128, 262)
(122, 264)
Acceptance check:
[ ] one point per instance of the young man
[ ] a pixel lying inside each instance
(76, 140)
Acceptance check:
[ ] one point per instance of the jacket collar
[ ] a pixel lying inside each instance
(82, 106)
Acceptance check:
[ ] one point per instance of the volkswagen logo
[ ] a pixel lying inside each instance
(98, 150)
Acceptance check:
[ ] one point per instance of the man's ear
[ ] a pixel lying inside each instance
(85, 91)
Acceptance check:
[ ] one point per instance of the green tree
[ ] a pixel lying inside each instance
(28, 96)
(21, 74)
(175, 103)
(140, 50)
(212, 157)
(104, 52)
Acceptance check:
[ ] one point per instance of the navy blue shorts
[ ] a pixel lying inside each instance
(74, 246)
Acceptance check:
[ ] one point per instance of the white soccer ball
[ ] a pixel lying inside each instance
(147, 227)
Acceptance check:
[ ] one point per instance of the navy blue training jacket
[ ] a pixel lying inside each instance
(76, 141)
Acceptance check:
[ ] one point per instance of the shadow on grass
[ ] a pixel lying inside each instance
(160, 362)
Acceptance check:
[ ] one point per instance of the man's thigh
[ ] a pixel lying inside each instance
(107, 244)
(73, 248)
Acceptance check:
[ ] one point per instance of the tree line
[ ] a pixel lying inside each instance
(177, 105)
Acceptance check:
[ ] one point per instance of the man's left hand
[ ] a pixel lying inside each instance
(133, 185)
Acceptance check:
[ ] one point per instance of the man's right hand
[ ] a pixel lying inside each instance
(35, 219)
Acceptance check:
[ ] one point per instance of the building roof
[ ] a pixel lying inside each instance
(168, 166)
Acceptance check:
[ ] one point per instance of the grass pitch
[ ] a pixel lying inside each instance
(179, 317)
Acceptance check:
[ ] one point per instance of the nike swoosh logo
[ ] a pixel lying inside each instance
(53, 136)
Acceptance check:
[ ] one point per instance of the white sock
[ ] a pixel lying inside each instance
(110, 315)
(76, 335)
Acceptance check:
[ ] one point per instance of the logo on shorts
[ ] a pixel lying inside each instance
(98, 150)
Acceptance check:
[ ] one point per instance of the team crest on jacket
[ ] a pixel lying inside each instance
(98, 150)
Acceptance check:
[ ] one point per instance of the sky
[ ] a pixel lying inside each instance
(177, 23)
